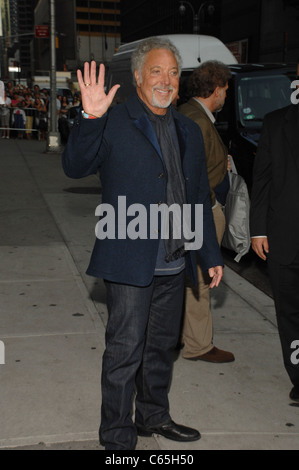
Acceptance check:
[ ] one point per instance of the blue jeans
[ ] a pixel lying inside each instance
(142, 331)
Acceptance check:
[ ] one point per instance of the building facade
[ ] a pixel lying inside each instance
(142, 18)
(25, 19)
(97, 29)
(255, 30)
(4, 36)
(17, 25)
(85, 30)
(9, 35)
(267, 29)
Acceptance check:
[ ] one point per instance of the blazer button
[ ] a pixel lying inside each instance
(159, 203)
(161, 175)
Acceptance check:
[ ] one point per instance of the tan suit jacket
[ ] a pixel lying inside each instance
(216, 151)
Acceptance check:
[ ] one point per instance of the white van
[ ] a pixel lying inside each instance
(193, 48)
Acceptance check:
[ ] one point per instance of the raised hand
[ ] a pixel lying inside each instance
(94, 99)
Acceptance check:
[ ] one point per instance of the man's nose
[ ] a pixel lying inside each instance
(165, 78)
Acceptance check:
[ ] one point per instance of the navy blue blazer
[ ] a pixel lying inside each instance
(122, 145)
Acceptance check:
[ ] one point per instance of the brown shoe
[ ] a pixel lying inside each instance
(216, 356)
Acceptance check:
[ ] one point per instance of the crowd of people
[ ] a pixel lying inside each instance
(26, 112)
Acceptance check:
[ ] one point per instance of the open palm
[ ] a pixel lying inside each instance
(94, 99)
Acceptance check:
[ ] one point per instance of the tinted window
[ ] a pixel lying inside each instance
(258, 96)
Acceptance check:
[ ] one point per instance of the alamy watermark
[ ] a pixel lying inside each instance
(295, 94)
(2, 353)
(295, 354)
(137, 222)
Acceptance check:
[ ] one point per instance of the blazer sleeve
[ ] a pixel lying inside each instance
(262, 177)
(86, 148)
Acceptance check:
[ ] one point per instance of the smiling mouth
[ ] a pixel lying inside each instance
(163, 92)
(162, 97)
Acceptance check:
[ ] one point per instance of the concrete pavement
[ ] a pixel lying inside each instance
(52, 324)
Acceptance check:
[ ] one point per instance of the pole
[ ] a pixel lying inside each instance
(89, 38)
(196, 24)
(53, 144)
(196, 16)
(197, 20)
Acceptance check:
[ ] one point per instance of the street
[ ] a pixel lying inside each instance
(251, 268)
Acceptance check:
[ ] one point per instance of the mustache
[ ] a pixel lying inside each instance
(163, 88)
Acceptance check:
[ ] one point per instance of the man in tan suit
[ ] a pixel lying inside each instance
(207, 86)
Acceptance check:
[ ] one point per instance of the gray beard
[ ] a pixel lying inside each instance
(157, 104)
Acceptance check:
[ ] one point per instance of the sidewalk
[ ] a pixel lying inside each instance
(52, 323)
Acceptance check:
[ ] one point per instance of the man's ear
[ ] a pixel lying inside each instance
(136, 74)
(217, 92)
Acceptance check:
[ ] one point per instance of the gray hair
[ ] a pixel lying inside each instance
(139, 55)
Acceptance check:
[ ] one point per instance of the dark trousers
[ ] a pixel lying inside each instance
(285, 286)
(142, 332)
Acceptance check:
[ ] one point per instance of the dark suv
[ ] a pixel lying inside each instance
(254, 91)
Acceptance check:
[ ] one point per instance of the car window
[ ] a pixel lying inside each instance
(258, 96)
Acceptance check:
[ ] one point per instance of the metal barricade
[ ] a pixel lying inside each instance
(25, 121)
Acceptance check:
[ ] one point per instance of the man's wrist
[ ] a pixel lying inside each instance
(89, 116)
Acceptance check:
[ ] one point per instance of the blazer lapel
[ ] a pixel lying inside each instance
(200, 109)
(141, 121)
(206, 117)
(144, 125)
(193, 103)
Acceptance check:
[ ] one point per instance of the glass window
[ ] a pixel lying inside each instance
(258, 96)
